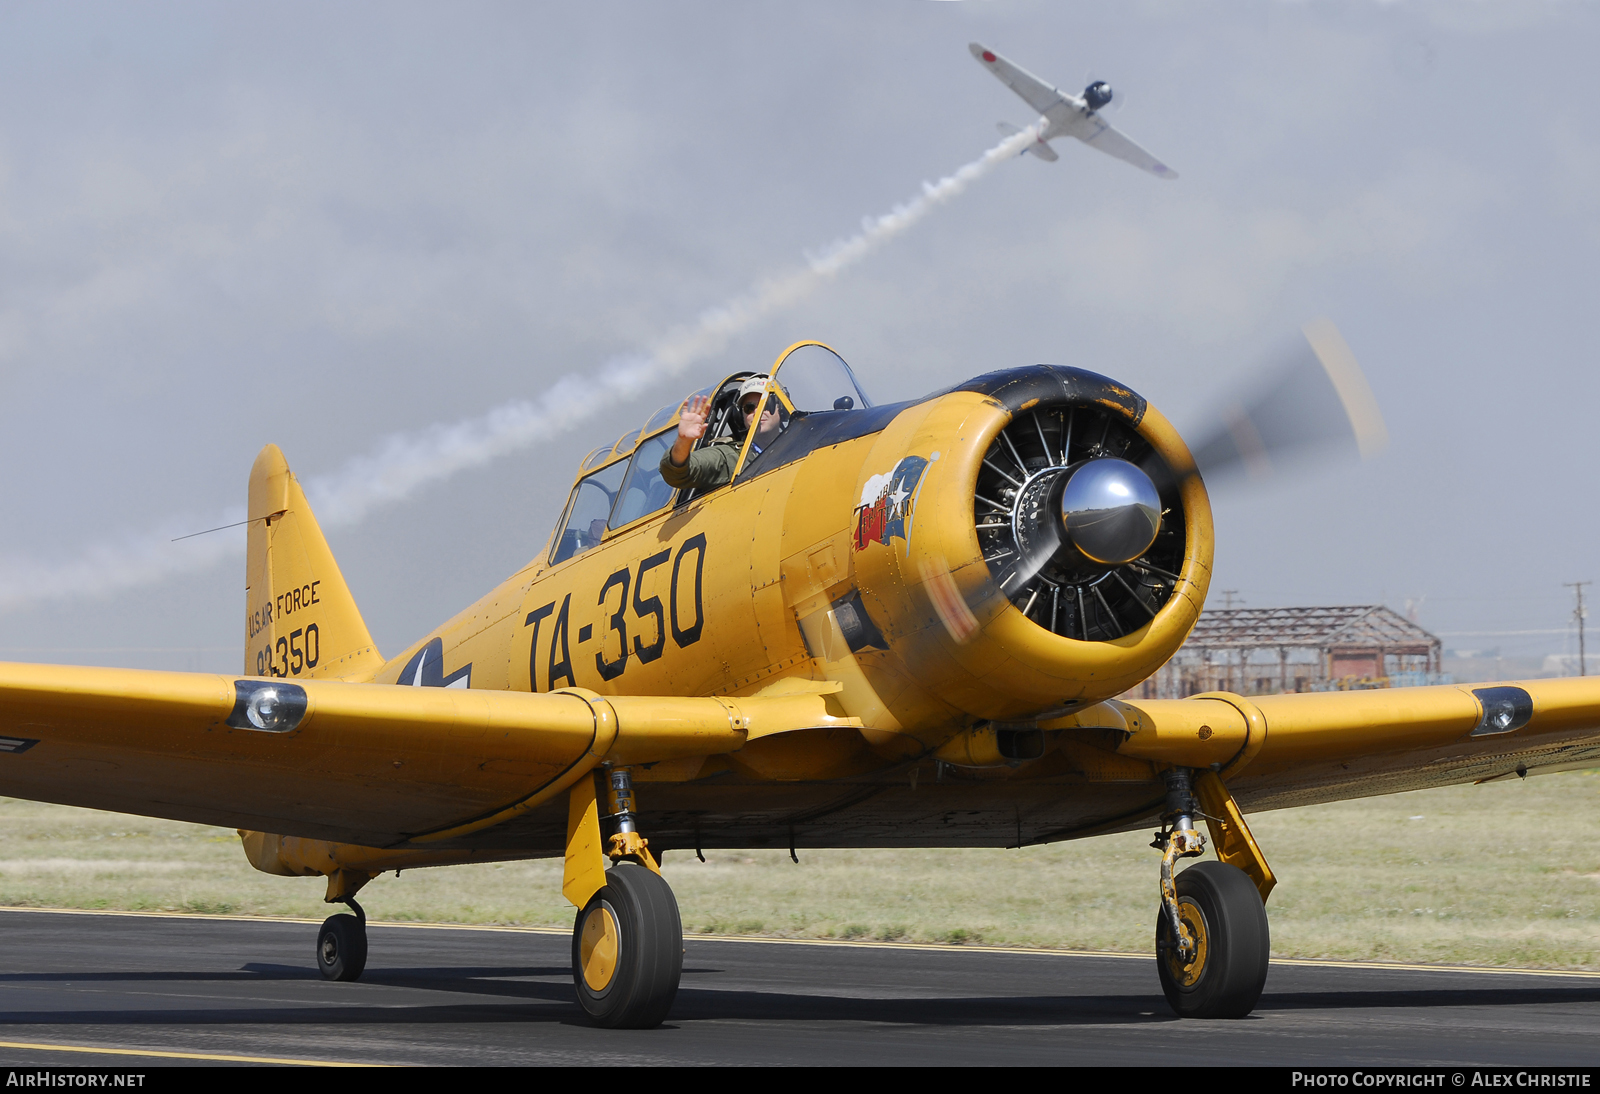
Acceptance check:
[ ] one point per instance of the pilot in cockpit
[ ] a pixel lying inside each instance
(712, 465)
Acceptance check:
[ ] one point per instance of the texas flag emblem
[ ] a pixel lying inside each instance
(885, 506)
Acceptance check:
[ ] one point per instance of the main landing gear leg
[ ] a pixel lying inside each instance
(1212, 941)
(342, 941)
(627, 941)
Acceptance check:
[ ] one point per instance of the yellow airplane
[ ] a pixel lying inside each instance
(898, 626)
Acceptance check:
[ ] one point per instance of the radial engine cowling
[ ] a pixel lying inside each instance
(1053, 549)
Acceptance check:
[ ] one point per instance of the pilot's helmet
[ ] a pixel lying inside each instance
(754, 385)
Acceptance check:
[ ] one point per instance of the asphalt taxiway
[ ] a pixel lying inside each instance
(136, 991)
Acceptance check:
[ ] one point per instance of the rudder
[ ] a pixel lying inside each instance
(300, 619)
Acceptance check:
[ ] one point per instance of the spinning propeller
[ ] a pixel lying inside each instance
(1312, 401)
(1079, 518)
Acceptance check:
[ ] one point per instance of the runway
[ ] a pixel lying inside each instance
(163, 990)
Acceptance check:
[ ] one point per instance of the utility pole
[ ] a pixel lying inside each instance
(1578, 613)
(1227, 598)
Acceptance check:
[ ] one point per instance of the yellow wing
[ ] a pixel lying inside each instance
(369, 764)
(1282, 750)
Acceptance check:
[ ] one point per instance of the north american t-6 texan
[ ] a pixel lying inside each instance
(1063, 114)
(901, 625)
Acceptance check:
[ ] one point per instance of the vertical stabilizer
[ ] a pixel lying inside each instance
(300, 619)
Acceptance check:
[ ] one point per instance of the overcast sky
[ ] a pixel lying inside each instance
(325, 225)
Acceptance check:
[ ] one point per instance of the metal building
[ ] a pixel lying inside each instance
(1261, 651)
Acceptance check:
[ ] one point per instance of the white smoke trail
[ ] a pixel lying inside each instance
(404, 462)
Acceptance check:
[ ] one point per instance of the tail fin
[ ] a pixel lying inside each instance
(300, 619)
(1038, 148)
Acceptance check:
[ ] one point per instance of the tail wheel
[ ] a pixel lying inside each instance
(627, 950)
(1222, 909)
(342, 947)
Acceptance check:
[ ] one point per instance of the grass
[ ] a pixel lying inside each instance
(1502, 874)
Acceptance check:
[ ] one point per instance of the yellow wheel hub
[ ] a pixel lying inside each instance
(597, 947)
(1188, 975)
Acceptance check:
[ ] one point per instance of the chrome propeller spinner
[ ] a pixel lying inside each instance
(1110, 511)
(1072, 526)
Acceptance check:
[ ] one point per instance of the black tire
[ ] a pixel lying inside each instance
(627, 970)
(1226, 977)
(342, 947)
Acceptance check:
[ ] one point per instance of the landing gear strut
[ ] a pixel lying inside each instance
(342, 944)
(627, 942)
(1212, 941)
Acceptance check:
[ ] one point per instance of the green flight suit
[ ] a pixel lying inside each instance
(708, 467)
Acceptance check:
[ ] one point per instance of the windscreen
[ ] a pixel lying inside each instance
(815, 378)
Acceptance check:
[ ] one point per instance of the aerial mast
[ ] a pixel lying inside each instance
(1578, 614)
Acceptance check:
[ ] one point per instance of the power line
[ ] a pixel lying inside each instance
(1497, 634)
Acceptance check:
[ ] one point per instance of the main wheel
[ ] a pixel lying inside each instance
(1222, 908)
(627, 950)
(342, 947)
